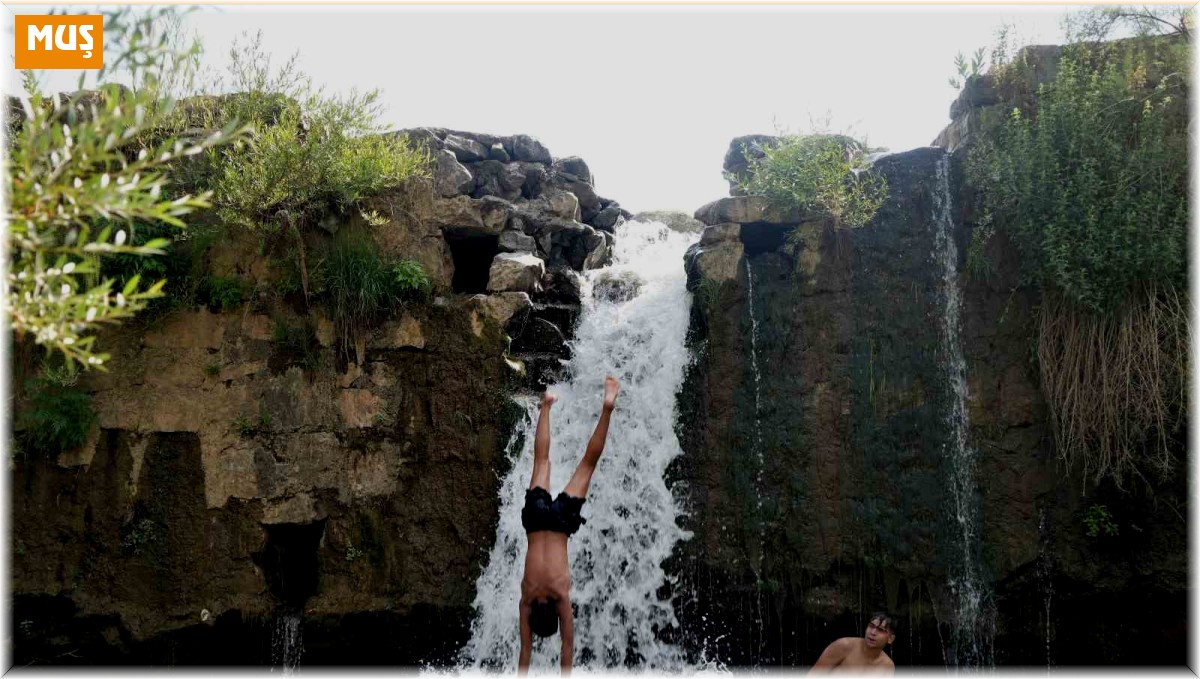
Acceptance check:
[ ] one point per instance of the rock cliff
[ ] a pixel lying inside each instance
(815, 469)
(249, 463)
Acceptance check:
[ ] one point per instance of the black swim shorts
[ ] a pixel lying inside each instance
(560, 515)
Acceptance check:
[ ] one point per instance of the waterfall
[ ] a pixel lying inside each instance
(616, 557)
(758, 456)
(286, 645)
(972, 640)
(1046, 579)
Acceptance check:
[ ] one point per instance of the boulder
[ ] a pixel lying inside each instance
(720, 232)
(464, 149)
(676, 221)
(503, 180)
(585, 195)
(617, 287)
(553, 204)
(741, 151)
(450, 178)
(535, 179)
(513, 240)
(608, 219)
(719, 262)
(600, 244)
(525, 147)
(497, 152)
(574, 165)
(542, 337)
(422, 137)
(979, 90)
(512, 272)
(457, 214)
(561, 285)
(465, 217)
(504, 308)
(746, 210)
(569, 243)
(495, 213)
(403, 334)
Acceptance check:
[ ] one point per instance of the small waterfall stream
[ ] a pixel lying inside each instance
(972, 643)
(616, 558)
(287, 642)
(759, 461)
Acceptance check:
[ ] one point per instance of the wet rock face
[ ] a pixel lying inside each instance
(849, 510)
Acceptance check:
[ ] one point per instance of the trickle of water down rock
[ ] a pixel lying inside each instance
(971, 642)
(621, 609)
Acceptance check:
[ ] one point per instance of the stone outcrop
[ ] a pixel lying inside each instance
(850, 509)
(978, 106)
(264, 458)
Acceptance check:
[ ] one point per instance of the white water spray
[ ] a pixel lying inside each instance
(287, 643)
(965, 584)
(616, 557)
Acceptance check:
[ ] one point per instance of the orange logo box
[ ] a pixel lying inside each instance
(58, 41)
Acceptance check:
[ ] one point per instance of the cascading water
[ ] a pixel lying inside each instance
(286, 642)
(758, 456)
(616, 558)
(971, 644)
(1046, 579)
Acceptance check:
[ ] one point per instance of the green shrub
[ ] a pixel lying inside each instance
(1099, 521)
(245, 425)
(76, 184)
(821, 175)
(224, 293)
(359, 284)
(1091, 182)
(311, 155)
(409, 281)
(298, 343)
(58, 416)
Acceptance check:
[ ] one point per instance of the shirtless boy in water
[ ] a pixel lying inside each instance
(861, 654)
(546, 587)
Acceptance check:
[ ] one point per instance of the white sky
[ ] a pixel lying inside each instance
(649, 96)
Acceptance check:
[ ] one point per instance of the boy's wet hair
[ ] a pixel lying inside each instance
(543, 618)
(886, 620)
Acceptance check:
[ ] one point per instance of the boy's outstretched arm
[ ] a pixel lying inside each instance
(566, 629)
(526, 641)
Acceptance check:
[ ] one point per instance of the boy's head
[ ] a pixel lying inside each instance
(881, 630)
(543, 617)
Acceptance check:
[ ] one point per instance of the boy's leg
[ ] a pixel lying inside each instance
(578, 485)
(541, 445)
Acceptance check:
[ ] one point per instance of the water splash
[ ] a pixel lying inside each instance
(972, 637)
(287, 642)
(616, 558)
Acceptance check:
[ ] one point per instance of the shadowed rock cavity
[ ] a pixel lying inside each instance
(290, 561)
(472, 261)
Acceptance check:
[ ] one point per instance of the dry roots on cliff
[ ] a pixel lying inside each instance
(1116, 384)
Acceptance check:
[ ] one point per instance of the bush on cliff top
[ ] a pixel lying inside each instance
(1089, 179)
(311, 154)
(826, 175)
